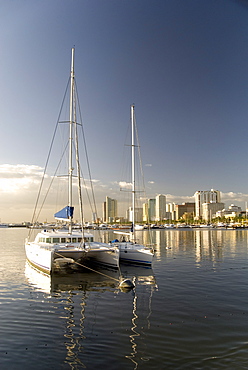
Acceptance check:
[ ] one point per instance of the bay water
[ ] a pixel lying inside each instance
(190, 311)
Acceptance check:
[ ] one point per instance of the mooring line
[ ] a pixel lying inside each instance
(89, 268)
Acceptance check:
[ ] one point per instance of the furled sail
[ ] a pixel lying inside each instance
(65, 214)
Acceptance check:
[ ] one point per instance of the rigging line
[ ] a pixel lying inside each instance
(49, 154)
(79, 180)
(89, 268)
(82, 177)
(142, 175)
(86, 154)
(125, 172)
(53, 177)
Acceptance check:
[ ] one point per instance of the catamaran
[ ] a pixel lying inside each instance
(130, 250)
(53, 249)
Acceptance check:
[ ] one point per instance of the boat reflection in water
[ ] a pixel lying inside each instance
(144, 286)
(102, 278)
(87, 303)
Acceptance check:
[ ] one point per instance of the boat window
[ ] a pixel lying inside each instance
(79, 240)
(48, 240)
(68, 240)
(88, 239)
(62, 240)
(74, 240)
(55, 240)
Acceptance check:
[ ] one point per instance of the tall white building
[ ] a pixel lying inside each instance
(160, 211)
(205, 196)
(138, 214)
(149, 210)
(171, 211)
(145, 212)
(209, 210)
(109, 210)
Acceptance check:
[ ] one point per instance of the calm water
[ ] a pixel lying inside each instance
(189, 312)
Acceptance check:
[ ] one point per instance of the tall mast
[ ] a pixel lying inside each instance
(71, 136)
(133, 169)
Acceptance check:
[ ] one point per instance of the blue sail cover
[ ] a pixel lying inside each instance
(65, 213)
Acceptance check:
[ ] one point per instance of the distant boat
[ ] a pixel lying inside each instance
(169, 226)
(139, 227)
(3, 225)
(130, 250)
(53, 249)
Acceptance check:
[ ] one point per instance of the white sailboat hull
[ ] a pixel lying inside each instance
(102, 254)
(48, 257)
(134, 253)
(45, 259)
(40, 258)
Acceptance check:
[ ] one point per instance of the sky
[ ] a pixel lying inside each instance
(183, 63)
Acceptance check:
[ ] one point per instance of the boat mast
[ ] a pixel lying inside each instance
(133, 170)
(71, 136)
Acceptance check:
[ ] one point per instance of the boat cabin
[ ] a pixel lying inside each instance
(50, 238)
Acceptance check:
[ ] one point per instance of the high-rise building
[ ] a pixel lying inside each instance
(210, 209)
(160, 210)
(145, 212)
(109, 210)
(185, 208)
(151, 209)
(205, 196)
(171, 211)
(138, 214)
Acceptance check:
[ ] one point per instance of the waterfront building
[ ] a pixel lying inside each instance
(232, 212)
(145, 212)
(109, 210)
(171, 208)
(209, 210)
(205, 196)
(160, 207)
(168, 216)
(138, 214)
(184, 208)
(149, 210)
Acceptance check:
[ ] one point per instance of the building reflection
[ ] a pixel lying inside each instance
(202, 244)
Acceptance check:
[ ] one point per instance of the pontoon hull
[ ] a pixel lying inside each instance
(103, 255)
(134, 253)
(44, 258)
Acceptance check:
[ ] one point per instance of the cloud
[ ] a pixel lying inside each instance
(151, 182)
(148, 165)
(16, 178)
(234, 197)
(125, 185)
(179, 198)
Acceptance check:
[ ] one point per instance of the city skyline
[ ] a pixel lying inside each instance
(182, 64)
(207, 205)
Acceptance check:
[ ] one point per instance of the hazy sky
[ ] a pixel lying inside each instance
(183, 63)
